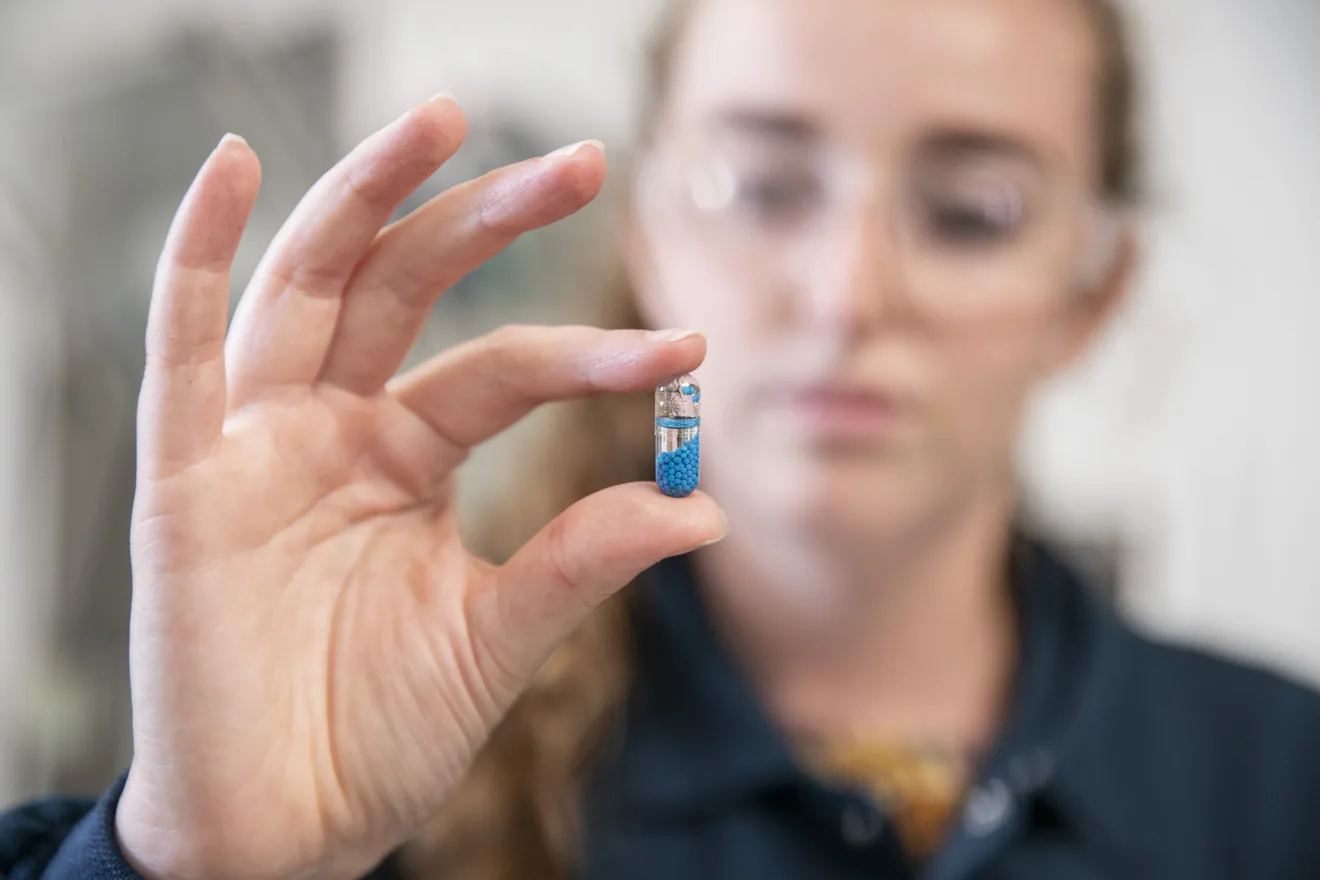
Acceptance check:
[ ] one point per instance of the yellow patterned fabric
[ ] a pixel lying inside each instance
(920, 789)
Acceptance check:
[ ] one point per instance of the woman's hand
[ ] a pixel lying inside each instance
(315, 656)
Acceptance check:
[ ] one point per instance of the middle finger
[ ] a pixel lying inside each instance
(287, 318)
(415, 260)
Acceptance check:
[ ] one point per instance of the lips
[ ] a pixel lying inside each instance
(843, 413)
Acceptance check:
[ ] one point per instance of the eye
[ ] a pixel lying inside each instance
(778, 199)
(976, 214)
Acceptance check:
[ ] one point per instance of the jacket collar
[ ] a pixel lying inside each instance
(696, 736)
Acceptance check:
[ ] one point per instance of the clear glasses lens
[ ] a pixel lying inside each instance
(950, 219)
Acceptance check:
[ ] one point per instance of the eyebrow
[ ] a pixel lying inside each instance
(781, 125)
(962, 143)
(799, 128)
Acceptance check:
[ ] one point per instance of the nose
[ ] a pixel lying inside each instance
(855, 284)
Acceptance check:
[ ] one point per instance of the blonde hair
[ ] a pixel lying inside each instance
(516, 814)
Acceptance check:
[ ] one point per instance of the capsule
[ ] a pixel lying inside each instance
(678, 437)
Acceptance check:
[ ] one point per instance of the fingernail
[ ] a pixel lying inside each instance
(231, 138)
(672, 335)
(573, 148)
(442, 96)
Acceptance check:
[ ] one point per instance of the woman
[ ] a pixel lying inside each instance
(891, 220)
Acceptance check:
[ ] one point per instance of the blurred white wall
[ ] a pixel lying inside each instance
(572, 64)
(1192, 434)
(30, 351)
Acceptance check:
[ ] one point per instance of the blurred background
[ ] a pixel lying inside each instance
(1179, 463)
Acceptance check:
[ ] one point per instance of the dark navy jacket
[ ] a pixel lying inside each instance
(1122, 758)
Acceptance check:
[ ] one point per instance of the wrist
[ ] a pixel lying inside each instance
(158, 845)
(153, 849)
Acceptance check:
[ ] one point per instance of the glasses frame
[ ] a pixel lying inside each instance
(679, 192)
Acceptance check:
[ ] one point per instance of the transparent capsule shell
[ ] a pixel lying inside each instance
(678, 437)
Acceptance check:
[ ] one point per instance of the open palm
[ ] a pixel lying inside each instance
(315, 656)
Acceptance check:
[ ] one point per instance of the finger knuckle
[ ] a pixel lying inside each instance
(359, 184)
(510, 337)
(563, 566)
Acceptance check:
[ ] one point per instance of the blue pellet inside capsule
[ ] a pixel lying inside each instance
(678, 472)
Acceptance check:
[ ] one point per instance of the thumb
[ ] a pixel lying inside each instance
(586, 554)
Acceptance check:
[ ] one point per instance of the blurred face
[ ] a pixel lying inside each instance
(881, 212)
